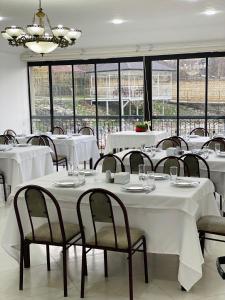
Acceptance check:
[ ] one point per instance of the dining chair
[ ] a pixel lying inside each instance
(57, 159)
(110, 162)
(166, 162)
(192, 165)
(36, 140)
(167, 143)
(3, 139)
(86, 130)
(137, 158)
(2, 181)
(110, 237)
(58, 130)
(9, 131)
(182, 143)
(211, 143)
(199, 131)
(55, 232)
(12, 139)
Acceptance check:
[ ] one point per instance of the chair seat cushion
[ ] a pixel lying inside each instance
(212, 224)
(106, 237)
(42, 233)
(60, 157)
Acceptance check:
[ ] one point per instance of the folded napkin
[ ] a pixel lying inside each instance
(122, 177)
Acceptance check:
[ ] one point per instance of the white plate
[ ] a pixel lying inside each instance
(135, 188)
(89, 172)
(221, 154)
(22, 145)
(160, 176)
(193, 136)
(76, 134)
(68, 183)
(185, 183)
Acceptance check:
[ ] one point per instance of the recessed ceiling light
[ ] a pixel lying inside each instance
(210, 12)
(118, 21)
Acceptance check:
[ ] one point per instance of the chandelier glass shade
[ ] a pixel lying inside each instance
(40, 37)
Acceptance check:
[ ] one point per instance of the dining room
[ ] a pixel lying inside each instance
(112, 149)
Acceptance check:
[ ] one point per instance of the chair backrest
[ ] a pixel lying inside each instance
(4, 139)
(36, 198)
(199, 131)
(10, 131)
(11, 138)
(192, 165)
(111, 163)
(58, 130)
(36, 140)
(50, 143)
(137, 158)
(211, 143)
(100, 202)
(86, 130)
(167, 162)
(167, 143)
(182, 143)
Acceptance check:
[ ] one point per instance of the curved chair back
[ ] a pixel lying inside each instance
(110, 162)
(137, 158)
(4, 139)
(167, 162)
(100, 202)
(192, 166)
(9, 131)
(58, 130)
(167, 143)
(86, 130)
(182, 143)
(36, 140)
(36, 205)
(211, 143)
(199, 131)
(11, 138)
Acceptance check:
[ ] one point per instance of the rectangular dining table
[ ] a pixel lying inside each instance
(77, 148)
(167, 215)
(25, 162)
(132, 139)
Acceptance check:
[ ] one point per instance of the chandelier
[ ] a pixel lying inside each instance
(36, 37)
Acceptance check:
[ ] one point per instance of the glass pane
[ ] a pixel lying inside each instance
(164, 95)
(216, 94)
(132, 94)
(192, 92)
(40, 101)
(62, 91)
(108, 100)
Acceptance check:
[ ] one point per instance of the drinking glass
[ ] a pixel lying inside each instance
(217, 147)
(143, 147)
(173, 173)
(141, 173)
(81, 176)
(70, 169)
(150, 178)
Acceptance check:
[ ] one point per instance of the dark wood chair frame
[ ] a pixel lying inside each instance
(11, 137)
(110, 155)
(168, 139)
(187, 170)
(170, 157)
(60, 129)
(181, 140)
(143, 155)
(49, 142)
(9, 131)
(130, 250)
(5, 138)
(219, 140)
(86, 127)
(25, 244)
(206, 133)
(41, 140)
(2, 179)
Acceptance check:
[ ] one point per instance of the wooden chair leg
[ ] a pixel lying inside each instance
(66, 164)
(26, 254)
(105, 263)
(64, 272)
(202, 241)
(4, 188)
(48, 258)
(130, 275)
(21, 266)
(145, 260)
(83, 272)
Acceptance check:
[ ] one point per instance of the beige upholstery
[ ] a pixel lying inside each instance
(42, 233)
(106, 237)
(212, 224)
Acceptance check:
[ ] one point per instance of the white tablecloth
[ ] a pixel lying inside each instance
(132, 139)
(25, 163)
(78, 148)
(167, 215)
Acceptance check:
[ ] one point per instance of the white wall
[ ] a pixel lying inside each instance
(14, 103)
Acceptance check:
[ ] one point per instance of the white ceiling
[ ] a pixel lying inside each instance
(149, 22)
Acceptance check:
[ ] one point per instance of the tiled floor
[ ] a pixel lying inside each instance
(43, 285)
